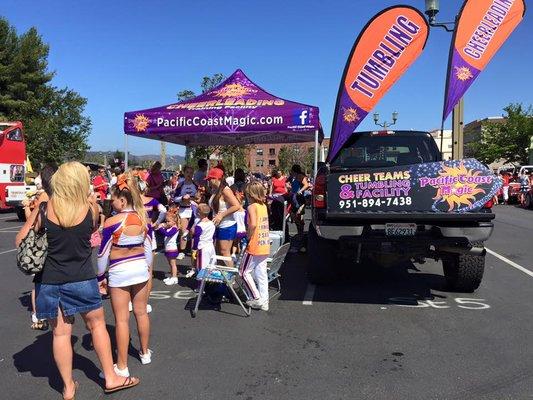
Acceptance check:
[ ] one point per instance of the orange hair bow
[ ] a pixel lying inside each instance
(122, 182)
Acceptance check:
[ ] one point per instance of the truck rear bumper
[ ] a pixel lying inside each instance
(375, 232)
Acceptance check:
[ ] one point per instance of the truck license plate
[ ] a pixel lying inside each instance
(400, 229)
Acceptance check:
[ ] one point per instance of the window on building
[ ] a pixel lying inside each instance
(272, 163)
(259, 152)
(271, 152)
(259, 163)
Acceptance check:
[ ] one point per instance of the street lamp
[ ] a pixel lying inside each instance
(432, 9)
(385, 124)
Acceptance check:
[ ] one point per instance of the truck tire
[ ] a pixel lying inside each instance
(528, 202)
(464, 272)
(321, 253)
(20, 214)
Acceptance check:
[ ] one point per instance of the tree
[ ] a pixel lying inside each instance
(55, 127)
(295, 154)
(508, 140)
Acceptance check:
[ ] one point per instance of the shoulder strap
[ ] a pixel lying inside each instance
(42, 215)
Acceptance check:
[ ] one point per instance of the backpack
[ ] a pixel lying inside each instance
(32, 251)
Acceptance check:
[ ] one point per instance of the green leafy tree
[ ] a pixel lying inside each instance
(227, 153)
(295, 154)
(55, 127)
(508, 140)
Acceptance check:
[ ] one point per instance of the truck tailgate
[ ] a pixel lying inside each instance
(437, 191)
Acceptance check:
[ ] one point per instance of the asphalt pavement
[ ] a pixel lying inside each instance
(376, 334)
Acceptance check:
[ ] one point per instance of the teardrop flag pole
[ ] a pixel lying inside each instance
(386, 47)
(482, 27)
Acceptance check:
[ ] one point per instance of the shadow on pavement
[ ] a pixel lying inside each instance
(38, 360)
(364, 284)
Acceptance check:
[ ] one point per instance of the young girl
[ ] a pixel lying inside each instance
(203, 234)
(126, 252)
(253, 268)
(151, 206)
(224, 205)
(170, 232)
(185, 192)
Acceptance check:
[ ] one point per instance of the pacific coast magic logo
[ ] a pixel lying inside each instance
(233, 90)
(463, 73)
(456, 186)
(350, 115)
(141, 123)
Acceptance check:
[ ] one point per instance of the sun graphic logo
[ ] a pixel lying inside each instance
(350, 115)
(233, 90)
(141, 122)
(461, 192)
(463, 73)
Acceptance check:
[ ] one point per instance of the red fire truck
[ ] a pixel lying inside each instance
(12, 165)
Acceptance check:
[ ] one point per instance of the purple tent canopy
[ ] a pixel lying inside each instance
(235, 112)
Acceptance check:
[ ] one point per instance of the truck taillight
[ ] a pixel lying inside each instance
(319, 192)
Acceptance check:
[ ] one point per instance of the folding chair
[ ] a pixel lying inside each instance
(218, 274)
(274, 263)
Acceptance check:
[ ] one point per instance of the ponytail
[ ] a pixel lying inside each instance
(127, 187)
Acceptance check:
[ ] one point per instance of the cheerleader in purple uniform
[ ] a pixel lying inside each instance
(151, 205)
(170, 231)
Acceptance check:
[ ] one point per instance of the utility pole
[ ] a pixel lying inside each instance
(457, 130)
(163, 155)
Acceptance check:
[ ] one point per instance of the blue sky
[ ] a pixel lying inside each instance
(128, 55)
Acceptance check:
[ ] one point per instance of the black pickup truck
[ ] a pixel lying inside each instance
(387, 197)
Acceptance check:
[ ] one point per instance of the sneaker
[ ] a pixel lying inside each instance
(264, 306)
(255, 304)
(190, 273)
(148, 308)
(180, 256)
(120, 372)
(130, 306)
(171, 281)
(146, 358)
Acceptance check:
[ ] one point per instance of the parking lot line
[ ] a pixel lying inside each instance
(511, 263)
(309, 294)
(7, 251)
(9, 217)
(11, 227)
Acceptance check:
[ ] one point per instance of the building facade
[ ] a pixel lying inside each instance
(447, 142)
(263, 158)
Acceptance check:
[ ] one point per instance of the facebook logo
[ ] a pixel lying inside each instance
(301, 117)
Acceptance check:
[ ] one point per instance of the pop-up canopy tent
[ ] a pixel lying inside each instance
(236, 112)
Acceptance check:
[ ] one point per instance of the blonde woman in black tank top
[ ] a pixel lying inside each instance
(69, 284)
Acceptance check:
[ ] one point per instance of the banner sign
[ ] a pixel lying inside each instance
(482, 27)
(453, 186)
(236, 112)
(384, 50)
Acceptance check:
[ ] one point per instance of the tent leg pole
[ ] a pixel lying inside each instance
(315, 169)
(125, 152)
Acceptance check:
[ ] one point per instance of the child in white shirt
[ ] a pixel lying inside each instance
(203, 238)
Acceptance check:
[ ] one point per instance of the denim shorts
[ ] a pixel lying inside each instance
(228, 233)
(72, 297)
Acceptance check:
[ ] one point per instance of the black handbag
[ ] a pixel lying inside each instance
(33, 249)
